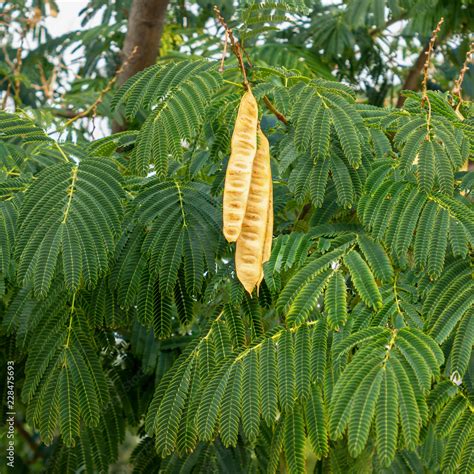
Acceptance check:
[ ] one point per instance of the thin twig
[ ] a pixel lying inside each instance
(7, 57)
(302, 215)
(424, 84)
(274, 111)
(457, 89)
(247, 56)
(46, 84)
(224, 52)
(93, 107)
(17, 71)
(235, 45)
(428, 53)
(237, 49)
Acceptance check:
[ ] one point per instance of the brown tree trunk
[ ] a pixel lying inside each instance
(145, 27)
(412, 81)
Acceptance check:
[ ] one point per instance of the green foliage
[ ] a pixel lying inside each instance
(120, 303)
(20, 128)
(177, 94)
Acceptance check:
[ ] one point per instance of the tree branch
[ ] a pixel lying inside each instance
(92, 109)
(422, 63)
(145, 27)
(274, 111)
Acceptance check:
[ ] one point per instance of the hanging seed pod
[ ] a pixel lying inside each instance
(239, 169)
(267, 247)
(252, 239)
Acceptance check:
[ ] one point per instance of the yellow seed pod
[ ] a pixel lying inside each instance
(251, 241)
(267, 247)
(239, 169)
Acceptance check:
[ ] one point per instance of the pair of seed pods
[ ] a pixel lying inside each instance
(248, 196)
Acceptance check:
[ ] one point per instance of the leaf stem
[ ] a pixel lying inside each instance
(70, 193)
(181, 204)
(274, 111)
(390, 345)
(233, 83)
(69, 329)
(58, 146)
(395, 294)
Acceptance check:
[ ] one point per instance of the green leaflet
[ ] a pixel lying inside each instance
(302, 361)
(347, 134)
(14, 125)
(426, 166)
(363, 279)
(286, 370)
(234, 321)
(206, 416)
(384, 380)
(318, 181)
(321, 134)
(305, 275)
(68, 411)
(362, 411)
(231, 407)
(376, 257)
(316, 422)
(307, 299)
(345, 388)
(250, 396)
(457, 442)
(462, 344)
(261, 381)
(190, 215)
(268, 380)
(400, 216)
(335, 301)
(319, 350)
(293, 441)
(386, 419)
(64, 382)
(408, 408)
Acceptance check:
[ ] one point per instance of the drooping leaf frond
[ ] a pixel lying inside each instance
(176, 95)
(388, 371)
(69, 219)
(405, 218)
(447, 307)
(64, 381)
(245, 378)
(183, 222)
